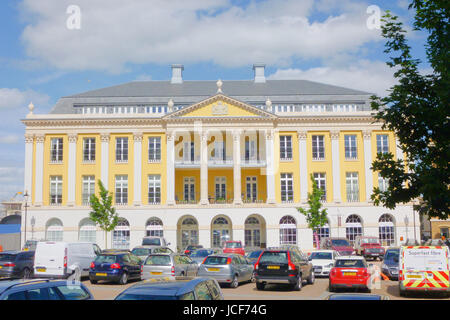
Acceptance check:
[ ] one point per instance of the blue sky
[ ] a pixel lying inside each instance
(42, 60)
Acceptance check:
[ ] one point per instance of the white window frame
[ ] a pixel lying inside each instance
(189, 196)
(154, 149)
(251, 188)
(121, 190)
(56, 150)
(321, 181)
(382, 143)
(220, 188)
(89, 149)
(287, 187)
(351, 147)
(318, 147)
(352, 186)
(383, 183)
(154, 189)
(122, 149)
(87, 189)
(56, 190)
(286, 147)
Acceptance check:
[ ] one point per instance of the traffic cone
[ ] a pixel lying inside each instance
(384, 276)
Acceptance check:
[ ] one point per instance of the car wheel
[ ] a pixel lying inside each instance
(26, 274)
(330, 287)
(260, 286)
(234, 284)
(93, 281)
(299, 284)
(311, 278)
(123, 278)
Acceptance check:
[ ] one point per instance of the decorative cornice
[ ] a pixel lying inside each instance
(29, 138)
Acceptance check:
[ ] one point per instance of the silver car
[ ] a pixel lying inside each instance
(227, 268)
(164, 265)
(142, 252)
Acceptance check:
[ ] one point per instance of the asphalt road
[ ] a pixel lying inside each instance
(247, 291)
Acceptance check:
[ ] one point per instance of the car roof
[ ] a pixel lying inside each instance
(165, 287)
(330, 251)
(225, 255)
(357, 295)
(8, 284)
(13, 252)
(350, 258)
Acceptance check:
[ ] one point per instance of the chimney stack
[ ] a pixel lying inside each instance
(177, 73)
(259, 72)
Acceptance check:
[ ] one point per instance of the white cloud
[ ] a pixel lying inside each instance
(15, 98)
(114, 33)
(11, 181)
(370, 76)
(9, 138)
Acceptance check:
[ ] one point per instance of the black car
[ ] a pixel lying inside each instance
(115, 266)
(43, 289)
(16, 264)
(182, 288)
(390, 263)
(289, 266)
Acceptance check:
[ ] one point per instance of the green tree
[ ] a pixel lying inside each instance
(316, 217)
(417, 109)
(103, 213)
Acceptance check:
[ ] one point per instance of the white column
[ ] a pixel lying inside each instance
(270, 171)
(28, 174)
(71, 174)
(336, 159)
(237, 167)
(39, 169)
(170, 156)
(104, 137)
(137, 136)
(204, 168)
(301, 135)
(368, 163)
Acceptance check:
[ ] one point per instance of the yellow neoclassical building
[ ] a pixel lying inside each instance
(207, 161)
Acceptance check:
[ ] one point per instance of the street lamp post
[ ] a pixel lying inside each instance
(33, 222)
(25, 196)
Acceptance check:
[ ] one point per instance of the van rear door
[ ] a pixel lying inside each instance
(50, 258)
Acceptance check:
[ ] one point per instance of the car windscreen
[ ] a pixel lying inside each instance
(151, 242)
(212, 260)
(340, 243)
(354, 297)
(233, 245)
(131, 296)
(274, 257)
(322, 255)
(106, 258)
(201, 253)
(158, 260)
(140, 251)
(370, 241)
(350, 263)
(7, 257)
(254, 254)
(392, 254)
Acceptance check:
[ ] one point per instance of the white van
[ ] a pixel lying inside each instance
(424, 268)
(61, 259)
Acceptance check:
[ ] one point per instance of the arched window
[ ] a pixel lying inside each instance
(154, 228)
(386, 230)
(288, 230)
(322, 232)
(121, 235)
(353, 227)
(188, 232)
(252, 233)
(221, 232)
(88, 231)
(54, 230)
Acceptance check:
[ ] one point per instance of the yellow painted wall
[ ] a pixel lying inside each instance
(51, 169)
(392, 149)
(352, 165)
(261, 181)
(121, 168)
(154, 168)
(287, 166)
(87, 169)
(206, 111)
(323, 166)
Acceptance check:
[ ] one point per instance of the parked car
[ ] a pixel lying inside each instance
(234, 247)
(341, 245)
(189, 248)
(227, 268)
(187, 289)
(287, 266)
(350, 272)
(356, 296)
(168, 265)
(142, 252)
(254, 255)
(115, 266)
(369, 247)
(424, 269)
(390, 263)
(55, 259)
(322, 261)
(43, 289)
(155, 241)
(30, 245)
(200, 254)
(16, 264)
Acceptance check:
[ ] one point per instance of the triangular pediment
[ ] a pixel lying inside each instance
(220, 106)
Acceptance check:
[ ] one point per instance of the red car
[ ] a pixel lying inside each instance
(234, 247)
(349, 272)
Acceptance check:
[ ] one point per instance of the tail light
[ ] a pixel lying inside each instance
(229, 261)
(186, 251)
(65, 258)
(9, 265)
(173, 271)
(333, 272)
(400, 275)
(92, 265)
(291, 265)
(365, 273)
(257, 262)
(142, 268)
(115, 266)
